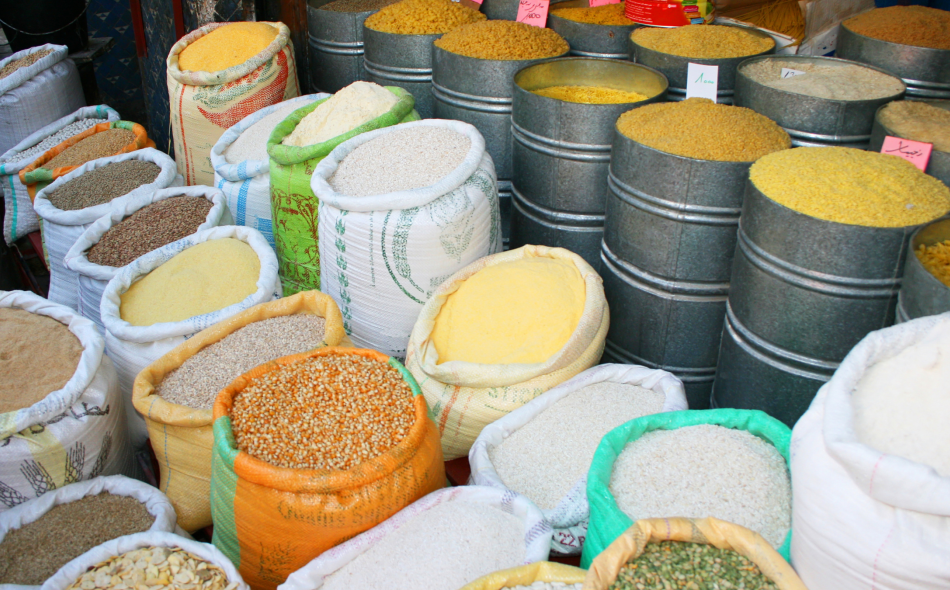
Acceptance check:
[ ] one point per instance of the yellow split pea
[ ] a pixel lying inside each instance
(227, 46)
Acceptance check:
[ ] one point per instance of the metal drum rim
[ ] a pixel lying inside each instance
(900, 314)
(591, 223)
(684, 374)
(557, 18)
(591, 55)
(549, 147)
(797, 142)
(663, 79)
(480, 60)
(661, 287)
(435, 36)
(457, 99)
(399, 70)
(679, 212)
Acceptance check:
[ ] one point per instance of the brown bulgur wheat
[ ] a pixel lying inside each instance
(919, 26)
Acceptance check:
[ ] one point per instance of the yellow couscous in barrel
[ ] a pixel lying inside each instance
(609, 14)
(936, 259)
(703, 42)
(851, 186)
(227, 46)
(503, 40)
(422, 17)
(590, 94)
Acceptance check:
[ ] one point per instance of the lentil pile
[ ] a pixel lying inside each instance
(590, 94)
(358, 103)
(154, 567)
(936, 259)
(401, 160)
(705, 42)
(702, 471)
(676, 564)
(727, 133)
(54, 140)
(918, 121)
(830, 80)
(199, 379)
(31, 554)
(28, 373)
(23, 62)
(103, 184)
(252, 144)
(227, 46)
(422, 17)
(851, 186)
(148, 229)
(443, 548)
(329, 412)
(608, 14)
(503, 40)
(98, 145)
(356, 5)
(545, 473)
(919, 26)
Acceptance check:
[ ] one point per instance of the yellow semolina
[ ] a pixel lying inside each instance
(227, 46)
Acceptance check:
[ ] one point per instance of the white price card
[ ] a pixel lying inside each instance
(790, 73)
(702, 81)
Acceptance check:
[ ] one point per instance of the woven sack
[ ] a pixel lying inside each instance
(35, 96)
(607, 520)
(93, 278)
(526, 575)
(247, 184)
(293, 204)
(73, 434)
(205, 104)
(270, 521)
(132, 348)
(19, 217)
(182, 437)
(569, 517)
(465, 397)
(61, 228)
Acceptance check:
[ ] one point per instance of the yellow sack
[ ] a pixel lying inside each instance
(467, 397)
(181, 436)
(525, 575)
(710, 531)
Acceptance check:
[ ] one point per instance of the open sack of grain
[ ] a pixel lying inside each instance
(133, 227)
(295, 148)
(277, 499)
(401, 209)
(242, 166)
(74, 201)
(175, 394)
(870, 471)
(217, 75)
(443, 541)
(37, 86)
(62, 417)
(164, 297)
(502, 331)
(19, 218)
(541, 575)
(544, 448)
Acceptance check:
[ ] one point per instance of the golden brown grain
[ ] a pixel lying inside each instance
(609, 14)
(702, 42)
(590, 94)
(422, 17)
(503, 40)
(936, 259)
(919, 26)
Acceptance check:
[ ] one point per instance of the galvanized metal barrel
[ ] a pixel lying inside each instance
(590, 40)
(501, 9)
(804, 292)
(561, 150)
(674, 67)
(939, 164)
(811, 121)
(401, 60)
(921, 293)
(925, 70)
(336, 48)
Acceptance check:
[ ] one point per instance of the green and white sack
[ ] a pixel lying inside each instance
(384, 255)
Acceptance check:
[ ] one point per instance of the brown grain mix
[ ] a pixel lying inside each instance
(103, 184)
(32, 553)
(918, 121)
(356, 5)
(422, 17)
(98, 145)
(503, 40)
(38, 355)
(919, 26)
(703, 42)
(23, 62)
(148, 229)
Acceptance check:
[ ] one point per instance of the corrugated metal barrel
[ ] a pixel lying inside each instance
(939, 164)
(926, 71)
(811, 121)
(804, 292)
(401, 60)
(336, 48)
(561, 151)
(501, 9)
(590, 40)
(921, 293)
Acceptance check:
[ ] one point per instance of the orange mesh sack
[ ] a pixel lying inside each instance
(271, 521)
(182, 436)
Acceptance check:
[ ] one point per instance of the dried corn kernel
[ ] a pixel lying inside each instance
(227, 46)
(590, 94)
(706, 42)
(936, 259)
(422, 17)
(503, 40)
(609, 14)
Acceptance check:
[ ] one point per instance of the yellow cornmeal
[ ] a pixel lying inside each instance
(204, 278)
(227, 46)
(514, 312)
(590, 94)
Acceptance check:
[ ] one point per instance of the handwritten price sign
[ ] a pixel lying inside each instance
(596, 3)
(915, 152)
(533, 12)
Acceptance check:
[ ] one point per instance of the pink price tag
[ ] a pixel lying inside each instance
(595, 3)
(533, 12)
(915, 152)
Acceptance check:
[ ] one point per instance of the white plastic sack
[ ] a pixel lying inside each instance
(73, 434)
(93, 278)
(132, 348)
(70, 572)
(537, 534)
(35, 96)
(19, 218)
(569, 518)
(862, 518)
(61, 228)
(247, 184)
(382, 256)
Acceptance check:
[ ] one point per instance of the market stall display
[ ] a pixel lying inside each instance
(918, 120)
(925, 287)
(601, 31)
